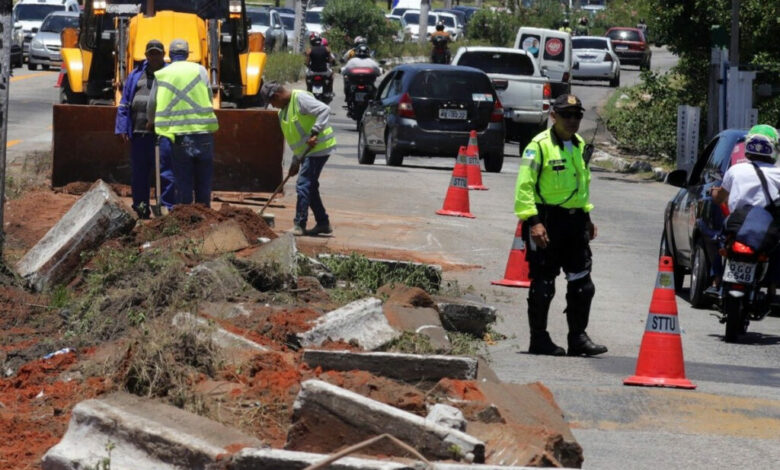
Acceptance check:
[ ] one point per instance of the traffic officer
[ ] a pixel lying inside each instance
(552, 199)
(180, 107)
(131, 127)
(304, 122)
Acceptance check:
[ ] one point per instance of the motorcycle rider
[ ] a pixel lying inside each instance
(440, 40)
(362, 59)
(582, 27)
(318, 59)
(359, 40)
(565, 27)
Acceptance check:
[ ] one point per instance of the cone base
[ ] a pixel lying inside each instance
(511, 283)
(478, 187)
(456, 213)
(645, 381)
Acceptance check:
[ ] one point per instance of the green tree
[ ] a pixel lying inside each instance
(347, 19)
(498, 28)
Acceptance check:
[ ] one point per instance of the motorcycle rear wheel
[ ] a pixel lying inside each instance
(734, 309)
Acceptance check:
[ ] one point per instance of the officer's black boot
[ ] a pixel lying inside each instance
(539, 298)
(579, 294)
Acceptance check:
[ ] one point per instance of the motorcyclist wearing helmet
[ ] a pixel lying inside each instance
(362, 59)
(352, 52)
(582, 27)
(440, 40)
(565, 27)
(318, 57)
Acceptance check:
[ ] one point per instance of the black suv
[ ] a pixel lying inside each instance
(429, 110)
(691, 219)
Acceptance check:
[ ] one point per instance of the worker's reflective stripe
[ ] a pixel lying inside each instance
(296, 128)
(184, 112)
(529, 162)
(575, 276)
(660, 323)
(179, 96)
(184, 122)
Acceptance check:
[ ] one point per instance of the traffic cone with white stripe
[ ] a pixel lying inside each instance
(473, 169)
(660, 361)
(456, 202)
(516, 274)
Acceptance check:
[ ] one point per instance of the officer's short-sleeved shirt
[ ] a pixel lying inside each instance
(744, 187)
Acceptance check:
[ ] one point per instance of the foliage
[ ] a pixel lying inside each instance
(347, 19)
(371, 275)
(283, 67)
(498, 28)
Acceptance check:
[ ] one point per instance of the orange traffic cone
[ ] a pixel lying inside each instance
(516, 274)
(660, 360)
(474, 171)
(457, 200)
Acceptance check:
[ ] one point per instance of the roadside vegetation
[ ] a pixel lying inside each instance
(283, 67)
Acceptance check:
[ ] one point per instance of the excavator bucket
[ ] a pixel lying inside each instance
(248, 148)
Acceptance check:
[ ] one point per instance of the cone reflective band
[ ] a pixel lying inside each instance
(473, 169)
(516, 274)
(456, 203)
(660, 361)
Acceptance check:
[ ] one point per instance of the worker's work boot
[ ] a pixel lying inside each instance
(298, 230)
(321, 230)
(580, 344)
(541, 343)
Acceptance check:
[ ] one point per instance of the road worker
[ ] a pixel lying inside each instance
(304, 122)
(131, 127)
(552, 198)
(180, 107)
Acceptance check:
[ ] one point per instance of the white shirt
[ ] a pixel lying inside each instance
(744, 187)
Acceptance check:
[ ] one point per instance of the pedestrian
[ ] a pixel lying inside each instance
(304, 122)
(552, 198)
(181, 109)
(130, 126)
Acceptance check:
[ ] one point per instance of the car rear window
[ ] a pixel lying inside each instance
(448, 21)
(440, 84)
(313, 17)
(498, 62)
(589, 44)
(259, 18)
(624, 35)
(414, 18)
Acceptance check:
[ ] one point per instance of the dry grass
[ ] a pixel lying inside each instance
(33, 173)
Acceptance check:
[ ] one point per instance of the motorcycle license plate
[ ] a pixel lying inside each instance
(452, 114)
(360, 96)
(739, 272)
(316, 89)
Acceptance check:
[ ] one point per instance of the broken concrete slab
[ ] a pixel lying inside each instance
(272, 266)
(276, 459)
(324, 408)
(310, 265)
(447, 416)
(226, 340)
(142, 434)
(424, 321)
(361, 322)
(406, 296)
(219, 280)
(97, 216)
(467, 315)
(411, 368)
(432, 272)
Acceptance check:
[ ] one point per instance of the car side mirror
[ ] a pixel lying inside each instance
(576, 66)
(543, 71)
(35, 30)
(677, 178)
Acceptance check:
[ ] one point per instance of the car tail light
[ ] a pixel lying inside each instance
(547, 91)
(741, 248)
(318, 78)
(498, 112)
(607, 58)
(405, 107)
(361, 87)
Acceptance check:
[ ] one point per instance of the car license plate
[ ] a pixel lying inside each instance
(739, 272)
(316, 89)
(452, 114)
(621, 48)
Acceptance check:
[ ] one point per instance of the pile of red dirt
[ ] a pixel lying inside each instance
(22, 231)
(79, 188)
(271, 327)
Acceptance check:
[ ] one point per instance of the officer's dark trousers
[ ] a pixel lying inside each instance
(142, 165)
(193, 166)
(568, 249)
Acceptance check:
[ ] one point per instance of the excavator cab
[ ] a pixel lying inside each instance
(111, 42)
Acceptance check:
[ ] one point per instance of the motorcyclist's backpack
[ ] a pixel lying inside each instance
(439, 41)
(756, 226)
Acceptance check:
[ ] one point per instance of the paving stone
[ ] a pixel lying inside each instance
(97, 216)
(273, 266)
(466, 315)
(226, 340)
(424, 321)
(361, 322)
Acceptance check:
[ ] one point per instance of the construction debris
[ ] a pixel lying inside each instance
(93, 219)
(467, 315)
(361, 322)
(419, 320)
(221, 337)
(447, 416)
(276, 459)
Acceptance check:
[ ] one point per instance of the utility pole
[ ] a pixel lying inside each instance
(300, 25)
(425, 5)
(6, 28)
(734, 46)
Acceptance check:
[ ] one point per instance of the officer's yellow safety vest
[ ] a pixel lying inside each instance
(296, 128)
(550, 175)
(183, 104)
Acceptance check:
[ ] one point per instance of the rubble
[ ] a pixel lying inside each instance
(466, 315)
(410, 368)
(93, 219)
(324, 408)
(276, 459)
(221, 337)
(218, 277)
(424, 321)
(361, 322)
(447, 416)
(433, 272)
(272, 266)
(131, 432)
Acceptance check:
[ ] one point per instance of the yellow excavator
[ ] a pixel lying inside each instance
(110, 42)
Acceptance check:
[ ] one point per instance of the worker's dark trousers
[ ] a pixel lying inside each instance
(569, 249)
(193, 166)
(142, 165)
(308, 189)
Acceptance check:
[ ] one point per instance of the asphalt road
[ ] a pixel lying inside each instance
(732, 419)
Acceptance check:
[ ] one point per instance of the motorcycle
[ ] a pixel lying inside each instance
(361, 89)
(441, 53)
(320, 84)
(742, 299)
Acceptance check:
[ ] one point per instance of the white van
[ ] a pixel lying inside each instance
(552, 50)
(29, 14)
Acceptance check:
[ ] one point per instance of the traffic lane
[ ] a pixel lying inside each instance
(31, 96)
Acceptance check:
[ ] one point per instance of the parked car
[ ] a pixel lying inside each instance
(46, 44)
(429, 110)
(594, 59)
(594, 7)
(398, 26)
(631, 46)
(17, 39)
(524, 92)
(288, 21)
(314, 20)
(460, 18)
(267, 21)
(29, 14)
(691, 218)
(412, 20)
(468, 11)
(285, 11)
(450, 22)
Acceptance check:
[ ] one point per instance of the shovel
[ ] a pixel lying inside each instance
(157, 207)
(281, 185)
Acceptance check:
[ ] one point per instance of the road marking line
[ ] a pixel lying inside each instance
(11, 143)
(31, 75)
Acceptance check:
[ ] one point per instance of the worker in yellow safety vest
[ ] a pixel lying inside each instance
(304, 122)
(552, 198)
(180, 106)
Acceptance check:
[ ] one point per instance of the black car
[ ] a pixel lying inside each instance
(691, 219)
(429, 110)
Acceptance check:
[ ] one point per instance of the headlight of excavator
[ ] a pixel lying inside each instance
(99, 7)
(235, 9)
